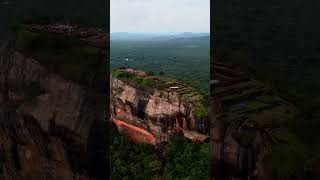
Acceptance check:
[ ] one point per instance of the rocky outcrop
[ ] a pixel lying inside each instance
(90, 36)
(246, 120)
(46, 121)
(161, 112)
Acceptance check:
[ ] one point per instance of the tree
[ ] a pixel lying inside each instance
(161, 73)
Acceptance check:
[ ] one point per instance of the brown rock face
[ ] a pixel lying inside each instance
(162, 113)
(46, 122)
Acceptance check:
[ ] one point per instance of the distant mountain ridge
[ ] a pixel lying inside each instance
(154, 36)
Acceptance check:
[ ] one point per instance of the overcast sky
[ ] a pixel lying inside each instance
(160, 16)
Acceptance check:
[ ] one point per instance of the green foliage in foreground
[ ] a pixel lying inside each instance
(182, 160)
(130, 160)
(187, 160)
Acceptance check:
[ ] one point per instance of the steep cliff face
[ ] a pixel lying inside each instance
(247, 121)
(46, 121)
(162, 112)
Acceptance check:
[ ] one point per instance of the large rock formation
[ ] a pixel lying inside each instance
(152, 109)
(48, 124)
(246, 120)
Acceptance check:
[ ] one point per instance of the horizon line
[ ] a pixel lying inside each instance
(140, 32)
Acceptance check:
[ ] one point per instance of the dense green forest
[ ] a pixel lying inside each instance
(185, 59)
(277, 42)
(182, 159)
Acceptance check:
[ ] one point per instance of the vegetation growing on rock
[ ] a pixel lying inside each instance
(164, 83)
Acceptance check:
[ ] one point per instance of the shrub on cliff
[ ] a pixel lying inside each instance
(162, 73)
(148, 82)
(139, 81)
(201, 108)
(150, 73)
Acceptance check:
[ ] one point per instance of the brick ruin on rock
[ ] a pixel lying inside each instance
(163, 108)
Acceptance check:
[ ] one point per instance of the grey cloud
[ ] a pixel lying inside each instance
(160, 15)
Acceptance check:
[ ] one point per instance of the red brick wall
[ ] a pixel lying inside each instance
(135, 133)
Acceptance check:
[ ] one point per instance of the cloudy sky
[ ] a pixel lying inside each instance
(160, 15)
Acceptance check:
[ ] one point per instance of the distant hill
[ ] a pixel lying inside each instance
(126, 36)
(132, 36)
(191, 34)
(203, 40)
